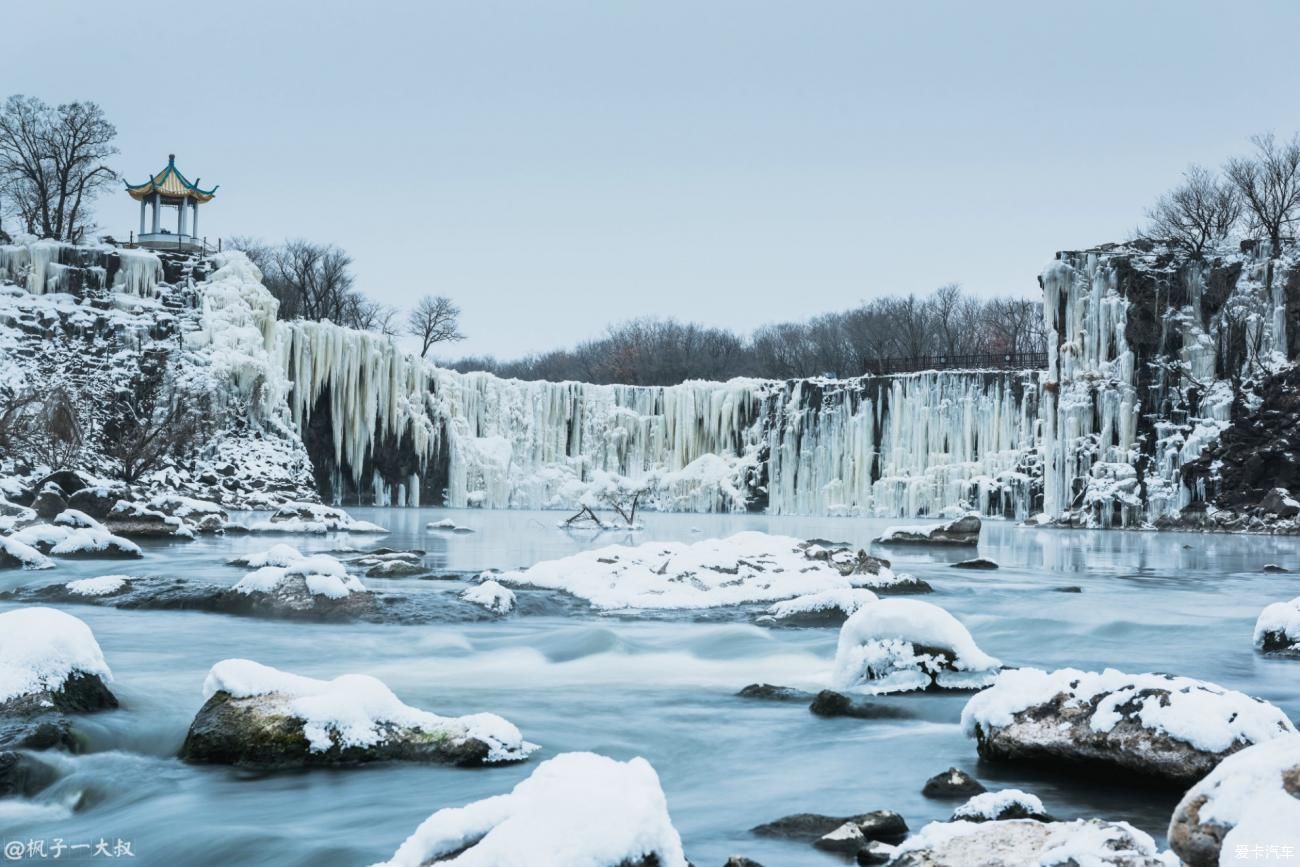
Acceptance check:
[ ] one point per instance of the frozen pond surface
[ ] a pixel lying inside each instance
(663, 688)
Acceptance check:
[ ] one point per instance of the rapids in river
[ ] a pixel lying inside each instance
(662, 687)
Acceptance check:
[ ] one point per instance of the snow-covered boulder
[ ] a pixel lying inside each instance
(49, 501)
(312, 518)
(394, 566)
(575, 810)
(50, 661)
(827, 608)
(76, 518)
(896, 645)
(1000, 805)
(1277, 631)
(255, 715)
(105, 585)
(137, 520)
(315, 586)
(1091, 842)
(492, 596)
(1157, 726)
(89, 542)
(1251, 799)
(446, 525)
(17, 555)
(279, 554)
(952, 783)
(962, 531)
(1279, 502)
(746, 567)
(98, 500)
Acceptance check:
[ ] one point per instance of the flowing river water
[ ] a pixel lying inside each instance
(663, 688)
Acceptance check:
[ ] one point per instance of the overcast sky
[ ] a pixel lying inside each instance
(557, 166)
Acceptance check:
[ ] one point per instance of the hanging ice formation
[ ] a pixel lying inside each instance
(45, 266)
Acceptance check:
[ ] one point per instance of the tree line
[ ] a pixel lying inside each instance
(652, 351)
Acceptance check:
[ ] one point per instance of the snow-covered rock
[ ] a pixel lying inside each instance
(962, 531)
(279, 554)
(1087, 843)
(105, 585)
(952, 783)
(1251, 799)
(77, 518)
(92, 542)
(829, 607)
(17, 555)
(259, 716)
(128, 518)
(312, 518)
(447, 525)
(50, 661)
(1277, 630)
(896, 645)
(746, 567)
(492, 596)
(1148, 725)
(885, 825)
(575, 810)
(855, 834)
(999, 805)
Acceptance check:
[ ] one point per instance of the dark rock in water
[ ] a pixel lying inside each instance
(49, 503)
(741, 861)
(977, 563)
(396, 568)
(884, 825)
(769, 692)
(1273, 567)
(80, 693)
(952, 783)
(97, 502)
(262, 731)
(963, 531)
(141, 522)
(1070, 589)
(828, 702)
(875, 852)
(1002, 811)
(22, 776)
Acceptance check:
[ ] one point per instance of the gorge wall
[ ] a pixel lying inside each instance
(1159, 365)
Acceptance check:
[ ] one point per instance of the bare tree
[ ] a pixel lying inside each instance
(1201, 210)
(52, 163)
(435, 319)
(1269, 183)
(151, 421)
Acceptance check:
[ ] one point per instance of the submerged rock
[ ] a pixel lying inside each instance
(770, 692)
(254, 715)
(1024, 841)
(885, 825)
(1153, 726)
(952, 783)
(963, 531)
(830, 703)
(896, 645)
(1273, 567)
(396, 568)
(976, 563)
(575, 809)
(1251, 798)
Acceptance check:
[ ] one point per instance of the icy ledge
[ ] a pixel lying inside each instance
(896, 645)
(1158, 726)
(746, 567)
(1251, 798)
(575, 810)
(257, 715)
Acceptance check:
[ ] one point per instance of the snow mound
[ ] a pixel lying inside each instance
(322, 574)
(40, 648)
(1083, 842)
(492, 596)
(1201, 714)
(846, 600)
(76, 518)
(277, 555)
(354, 710)
(746, 567)
(105, 585)
(449, 526)
(312, 518)
(1278, 628)
(1251, 798)
(575, 810)
(902, 644)
(991, 806)
(15, 553)
(89, 541)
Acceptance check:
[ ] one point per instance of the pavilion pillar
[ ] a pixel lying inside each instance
(142, 204)
(180, 218)
(155, 214)
(194, 227)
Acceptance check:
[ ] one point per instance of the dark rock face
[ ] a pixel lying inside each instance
(80, 693)
(830, 703)
(952, 783)
(49, 503)
(741, 861)
(38, 721)
(262, 732)
(95, 502)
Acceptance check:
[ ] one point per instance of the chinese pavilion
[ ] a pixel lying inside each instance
(172, 189)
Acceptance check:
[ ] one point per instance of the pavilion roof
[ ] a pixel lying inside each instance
(171, 184)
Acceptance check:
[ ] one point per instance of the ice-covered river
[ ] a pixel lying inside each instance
(662, 688)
